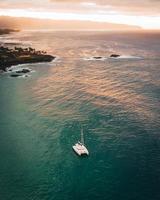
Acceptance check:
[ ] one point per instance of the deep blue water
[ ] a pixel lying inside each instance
(115, 100)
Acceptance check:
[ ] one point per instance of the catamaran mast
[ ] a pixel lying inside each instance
(82, 137)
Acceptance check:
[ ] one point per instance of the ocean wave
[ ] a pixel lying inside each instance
(20, 76)
(57, 59)
(24, 76)
(17, 68)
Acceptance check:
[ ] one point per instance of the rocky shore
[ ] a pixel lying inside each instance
(18, 55)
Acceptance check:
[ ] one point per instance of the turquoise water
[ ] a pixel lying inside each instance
(115, 100)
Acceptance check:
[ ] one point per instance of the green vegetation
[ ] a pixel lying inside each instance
(18, 55)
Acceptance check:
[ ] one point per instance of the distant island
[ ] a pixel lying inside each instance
(7, 31)
(18, 55)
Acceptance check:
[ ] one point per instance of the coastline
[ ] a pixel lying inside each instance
(10, 57)
(17, 55)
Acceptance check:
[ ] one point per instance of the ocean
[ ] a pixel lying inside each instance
(115, 100)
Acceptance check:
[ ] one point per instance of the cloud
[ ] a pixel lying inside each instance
(144, 13)
(140, 7)
(131, 6)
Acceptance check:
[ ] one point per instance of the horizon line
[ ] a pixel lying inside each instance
(144, 22)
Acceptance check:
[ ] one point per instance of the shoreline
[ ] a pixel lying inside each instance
(10, 57)
(17, 55)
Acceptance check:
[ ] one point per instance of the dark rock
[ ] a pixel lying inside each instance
(97, 57)
(115, 55)
(24, 71)
(15, 75)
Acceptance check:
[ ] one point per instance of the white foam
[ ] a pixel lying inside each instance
(11, 41)
(17, 67)
(57, 59)
(24, 76)
(21, 76)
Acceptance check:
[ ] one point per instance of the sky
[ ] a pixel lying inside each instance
(142, 13)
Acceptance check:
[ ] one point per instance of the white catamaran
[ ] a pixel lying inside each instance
(79, 147)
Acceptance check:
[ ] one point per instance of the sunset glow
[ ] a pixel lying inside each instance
(141, 14)
(142, 21)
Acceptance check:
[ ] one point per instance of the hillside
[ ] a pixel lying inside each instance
(30, 23)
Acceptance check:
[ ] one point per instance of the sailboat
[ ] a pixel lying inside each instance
(79, 147)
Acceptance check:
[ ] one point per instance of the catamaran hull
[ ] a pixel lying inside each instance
(80, 152)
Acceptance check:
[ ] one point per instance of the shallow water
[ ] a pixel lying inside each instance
(115, 100)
